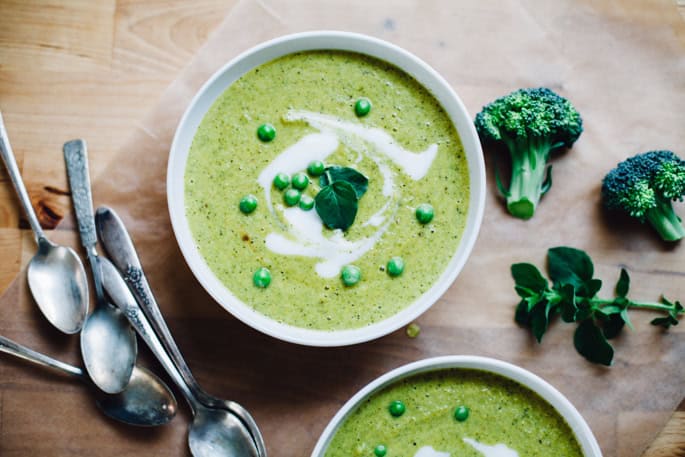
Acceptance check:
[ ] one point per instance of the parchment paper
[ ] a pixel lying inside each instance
(621, 63)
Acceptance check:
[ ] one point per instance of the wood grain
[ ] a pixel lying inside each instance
(94, 69)
(83, 69)
(671, 440)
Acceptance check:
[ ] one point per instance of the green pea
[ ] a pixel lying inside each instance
(395, 266)
(350, 275)
(362, 107)
(306, 203)
(291, 197)
(461, 413)
(397, 408)
(281, 181)
(316, 168)
(424, 213)
(266, 132)
(300, 181)
(413, 330)
(262, 277)
(380, 450)
(248, 204)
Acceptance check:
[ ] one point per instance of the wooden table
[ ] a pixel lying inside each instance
(88, 69)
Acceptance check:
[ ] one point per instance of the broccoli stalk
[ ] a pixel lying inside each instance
(528, 183)
(665, 220)
(644, 187)
(531, 123)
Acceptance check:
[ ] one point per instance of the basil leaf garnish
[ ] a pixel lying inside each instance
(337, 205)
(335, 173)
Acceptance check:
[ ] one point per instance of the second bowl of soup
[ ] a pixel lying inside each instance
(457, 406)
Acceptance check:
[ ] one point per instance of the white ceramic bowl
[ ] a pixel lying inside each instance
(315, 41)
(582, 431)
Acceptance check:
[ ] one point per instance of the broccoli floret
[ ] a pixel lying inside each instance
(644, 187)
(531, 122)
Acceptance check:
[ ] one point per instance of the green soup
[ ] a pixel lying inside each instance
(504, 419)
(310, 99)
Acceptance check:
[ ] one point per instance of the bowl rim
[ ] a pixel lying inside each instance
(549, 393)
(323, 40)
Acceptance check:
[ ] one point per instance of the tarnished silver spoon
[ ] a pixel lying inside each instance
(214, 432)
(108, 343)
(56, 276)
(146, 401)
(118, 244)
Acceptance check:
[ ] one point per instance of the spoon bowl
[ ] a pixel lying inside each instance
(217, 432)
(146, 401)
(56, 276)
(58, 284)
(108, 346)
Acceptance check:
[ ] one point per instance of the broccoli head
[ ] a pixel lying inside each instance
(531, 122)
(644, 186)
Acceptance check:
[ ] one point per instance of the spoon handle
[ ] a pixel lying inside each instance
(10, 347)
(123, 298)
(15, 176)
(76, 158)
(120, 249)
(119, 246)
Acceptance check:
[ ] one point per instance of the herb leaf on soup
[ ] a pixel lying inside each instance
(337, 205)
(336, 173)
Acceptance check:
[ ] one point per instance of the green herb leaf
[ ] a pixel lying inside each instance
(623, 284)
(528, 277)
(590, 288)
(672, 318)
(569, 266)
(573, 296)
(591, 343)
(665, 322)
(337, 205)
(539, 319)
(522, 315)
(583, 312)
(626, 319)
(568, 302)
(677, 307)
(349, 175)
(612, 325)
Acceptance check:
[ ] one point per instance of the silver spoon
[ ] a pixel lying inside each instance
(146, 401)
(213, 432)
(108, 343)
(56, 276)
(118, 244)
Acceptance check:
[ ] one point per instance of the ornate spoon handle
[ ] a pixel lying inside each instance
(121, 251)
(121, 296)
(76, 158)
(119, 246)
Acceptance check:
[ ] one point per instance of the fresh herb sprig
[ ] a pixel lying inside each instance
(573, 296)
(337, 201)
